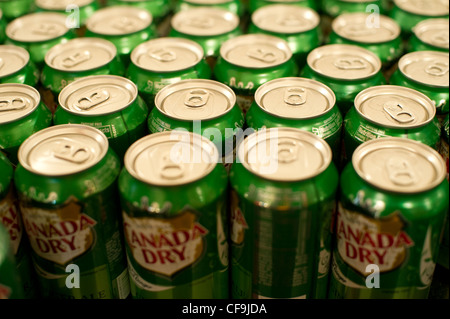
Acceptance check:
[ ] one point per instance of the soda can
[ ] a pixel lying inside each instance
(346, 69)
(175, 217)
(298, 26)
(13, 9)
(428, 73)
(392, 208)
(408, 13)
(380, 36)
(109, 103)
(66, 182)
(16, 66)
(209, 27)
(257, 4)
(205, 107)
(430, 35)
(38, 33)
(335, 8)
(283, 182)
(234, 6)
(300, 103)
(443, 150)
(163, 61)
(124, 26)
(3, 24)
(390, 111)
(159, 9)
(248, 61)
(22, 113)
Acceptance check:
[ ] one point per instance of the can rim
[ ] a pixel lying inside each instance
(24, 54)
(427, 24)
(32, 91)
(404, 6)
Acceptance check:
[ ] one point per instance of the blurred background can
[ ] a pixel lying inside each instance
(16, 66)
(159, 9)
(335, 8)
(430, 35)
(256, 4)
(234, 6)
(13, 9)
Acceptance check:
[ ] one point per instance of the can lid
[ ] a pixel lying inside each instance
(37, 27)
(426, 67)
(424, 8)
(61, 4)
(98, 95)
(255, 51)
(63, 150)
(295, 98)
(206, 21)
(12, 59)
(360, 27)
(171, 158)
(119, 20)
(434, 32)
(17, 101)
(344, 62)
(287, 19)
(167, 54)
(81, 54)
(284, 154)
(399, 165)
(395, 107)
(196, 99)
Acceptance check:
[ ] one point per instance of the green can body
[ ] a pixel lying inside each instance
(335, 8)
(202, 205)
(3, 24)
(443, 150)
(158, 8)
(28, 75)
(256, 4)
(13, 9)
(234, 6)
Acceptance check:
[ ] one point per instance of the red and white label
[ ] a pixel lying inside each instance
(10, 218)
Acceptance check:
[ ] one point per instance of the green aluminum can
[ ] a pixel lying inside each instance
(39, 32)
(22, 113)
(430, 35)
(392, 209)
(248, 61)
(335, 8)
(443, 150)
(205, 107)
(380, 36)
(16, 66)
(408, 13)
(346, 69)
(234, 6)
(3, 24)
(174, 204)
(256, 4)
(163, 61)
(159, 9)
(209, 27)
(77, 58)
(283, 200)
(298, 26)
(109, 103)
(67, 187)
(124, 26)
(390, 111)
(428, 73)
(13, 9)
(300, 103)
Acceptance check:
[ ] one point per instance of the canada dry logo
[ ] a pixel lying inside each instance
(165, 246)
(9, 217)
(238, 222)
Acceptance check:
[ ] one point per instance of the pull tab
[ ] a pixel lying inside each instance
(395, 110)
(359, 30)
(124, 24)
(295, 96)
(262, 55)
(437, 68)
(350, 64)
(170, 170)
(291, 20)
(400, 172)
(201, 22)
(12, 104)
(71, 152)
(76, 58)
(92, 98)
(196, 98)
(45, 29)
(441, 38)
(163, 55)
(287, 151)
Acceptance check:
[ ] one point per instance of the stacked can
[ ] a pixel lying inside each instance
(430, 35)
(12, 9)
(234, 6)
(256, 4)
(10, 283)
(16, 66)
(335, 8)
(3, 24)
(158, 8)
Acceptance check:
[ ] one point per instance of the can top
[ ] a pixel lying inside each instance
(61, 4)
(395, 107)
(426, 67)
(80, 54)
(285, 19)
(98, 95)
(344, 62)
(295, 98)
(37, 27)
(424, 8)
(12, 59)
(167, 54)
(171, 158)
(63, 150)
(196, 99)
(359, 27)
(399, 165)
(284, 154)
(255, 51)
(119, 20)
(17, 101)
(434, 32)
(206, 21)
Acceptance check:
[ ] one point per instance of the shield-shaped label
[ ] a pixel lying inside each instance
(238, 222)
(10, 218)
